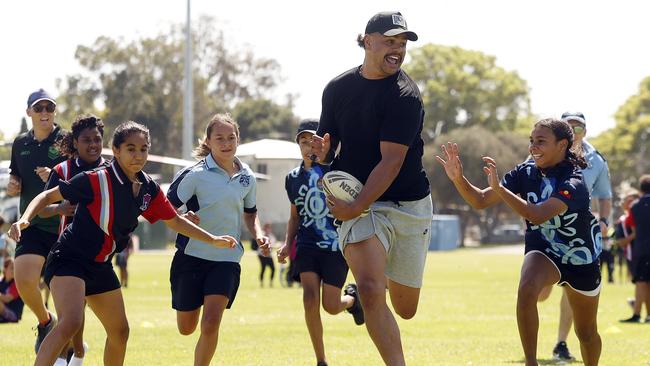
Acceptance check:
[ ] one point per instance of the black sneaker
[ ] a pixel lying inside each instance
(561, 352)
(634, 319)
(43, 331)
(356, 310)
(321, 363)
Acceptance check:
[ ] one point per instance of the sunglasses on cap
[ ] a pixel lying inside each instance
(49, 107)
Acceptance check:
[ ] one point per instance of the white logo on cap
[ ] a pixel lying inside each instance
(399, 20)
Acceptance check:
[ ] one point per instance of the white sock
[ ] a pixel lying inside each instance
(75, 361)
(60, 362)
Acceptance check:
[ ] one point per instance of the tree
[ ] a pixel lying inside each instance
(626, 145)
(507, 148)
(462, 88)
(23, 126)
(262, 118)
(142, 80)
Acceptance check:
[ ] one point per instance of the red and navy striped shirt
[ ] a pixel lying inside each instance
(65, 171)
(107, 212)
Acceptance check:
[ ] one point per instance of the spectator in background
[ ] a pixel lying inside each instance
(11, 305)
(623, 233)
(4, 246)
(266, 260)
(122, 259)
(638, 220)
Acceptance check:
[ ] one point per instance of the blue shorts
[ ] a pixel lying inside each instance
(194, 278)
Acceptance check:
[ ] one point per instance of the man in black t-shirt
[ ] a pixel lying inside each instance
(372, 115)
(32, 156)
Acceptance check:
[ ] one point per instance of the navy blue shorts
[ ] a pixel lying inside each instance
(99, 277)
(641, 271)
(194, 278)
(330, 266)
(35, 241)
(583, 278)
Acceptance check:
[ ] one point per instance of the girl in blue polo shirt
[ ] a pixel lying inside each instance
(563, 238)
(219, 194)
(109, 201)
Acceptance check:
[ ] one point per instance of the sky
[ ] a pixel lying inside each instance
(575, 55)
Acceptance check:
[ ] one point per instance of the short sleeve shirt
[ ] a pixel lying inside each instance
(9, 288)
(219, 200)
(572, 237)
(65, 171)
(316, 227)
(362, 113)
(27, 153)
(596, 174)
(107, 212)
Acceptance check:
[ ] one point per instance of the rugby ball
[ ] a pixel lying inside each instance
(341, 185)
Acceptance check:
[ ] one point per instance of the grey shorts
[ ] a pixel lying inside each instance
(404, 230)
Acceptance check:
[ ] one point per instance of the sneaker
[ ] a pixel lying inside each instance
(43, 331)
(321, 363)
(356, 310)
(633, 319)
(561, 352)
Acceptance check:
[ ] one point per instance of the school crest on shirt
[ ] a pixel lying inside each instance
(245, 180)
(146, 199)
(52, 152)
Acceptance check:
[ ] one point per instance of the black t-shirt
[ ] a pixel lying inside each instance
(27, 153)
(639, 217)
(107, 212)
(65, 171)
(572, 237)
(360, 113)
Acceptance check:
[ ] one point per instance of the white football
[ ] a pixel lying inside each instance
(341, 185)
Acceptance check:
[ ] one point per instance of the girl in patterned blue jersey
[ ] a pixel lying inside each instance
(109, 201)
(563, 238)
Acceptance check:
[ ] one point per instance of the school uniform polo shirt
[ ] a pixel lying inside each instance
(219, 200)
(107, 212)
(572, 237)
(65, 171)
(596, 174)
(639, 218)
(27, 153)
(316, 226)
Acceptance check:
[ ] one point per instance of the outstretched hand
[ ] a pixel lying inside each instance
(490, 170)
(16, 228)
(453, 166)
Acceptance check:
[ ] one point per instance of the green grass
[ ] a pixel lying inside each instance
(466, 317)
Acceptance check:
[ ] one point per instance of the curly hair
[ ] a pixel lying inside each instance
(65, 145)
(125, 129)
(203, 149)
(562, 131)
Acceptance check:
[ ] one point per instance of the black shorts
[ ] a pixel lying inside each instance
(193, 278)
(35, 241)
(641, 271)
(99, 277)
(584, 278)
(330, 266)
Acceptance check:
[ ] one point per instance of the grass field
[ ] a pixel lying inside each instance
(466, 317)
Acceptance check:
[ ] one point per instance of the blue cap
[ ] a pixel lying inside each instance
(574, 116)
(307, 125)
(39, 95)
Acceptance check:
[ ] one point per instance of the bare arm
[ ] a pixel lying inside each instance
(474, 196)
(186, 227)
(14, 186)
(292, 231)
(255, 229)
(38, 203)
(63, 208)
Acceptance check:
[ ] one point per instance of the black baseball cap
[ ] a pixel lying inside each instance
(307, 125)
(574, 116)
(39, 95)
(390, 23)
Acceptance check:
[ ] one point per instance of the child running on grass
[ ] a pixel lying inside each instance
(563, 239)
(109, 201)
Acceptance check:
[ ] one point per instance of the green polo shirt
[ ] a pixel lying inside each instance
(26, 154)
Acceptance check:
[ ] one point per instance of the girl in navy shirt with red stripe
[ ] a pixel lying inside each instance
(563, 239)
(109, 201)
